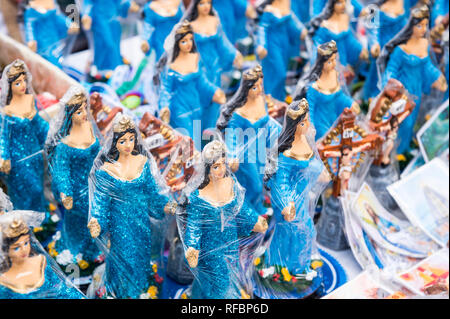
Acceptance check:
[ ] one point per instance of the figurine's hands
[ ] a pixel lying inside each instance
(134, 7)
(32, 45)
(170, 208)
(164, 115)
(219, 97)
(440, 84)
(145, 47)
(238, 60)
(250, 12)
(74, 28)
(94, 227)
(364, 55)
(192, 257)
(375, 50)
(261, 52)
(289, 212)
(234, 164)
(261, 225)
(356, 109)
(87, 22)
(67, 201)
(5, 166)
(304, 34)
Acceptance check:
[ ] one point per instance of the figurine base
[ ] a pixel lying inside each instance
(330, 227)
(379, 178)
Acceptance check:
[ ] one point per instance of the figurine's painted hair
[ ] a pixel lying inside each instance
(10, 82)
(192, 11)
(237, 101)
(393, 120)
(326, 13)
(401, 38)
(346, 147)
(260, 9)
(113, 153)
(6, 244)
(206, 179)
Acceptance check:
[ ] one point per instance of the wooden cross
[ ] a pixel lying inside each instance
(345, 141)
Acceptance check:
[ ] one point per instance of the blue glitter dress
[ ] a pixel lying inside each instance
(54, 287)
(22, 140)
(388, 28)
(187, 96)
(417, 75)
(302, 9)
(107, 30)
(232, 16)
(324, 109)
(215, 231)
(123, 209)
(291, 243)
(157, 28)
(251, 151)
(48, 29)
(70, 169)
(281, 38)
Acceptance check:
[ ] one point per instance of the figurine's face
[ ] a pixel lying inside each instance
(346, 156)
(19, 86)
(331, 63)
(339, 6)
(420, 29)
(257, 89)
(218, 170)
(186, 43)
(204, 7)
(20, 250)
(303, 126)
(125, 144)
(80, 115)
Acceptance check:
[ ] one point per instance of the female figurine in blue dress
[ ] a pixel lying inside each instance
(159, 19)
(406, 58)
(185, 90)
(126, 190)
(278, 39)
(216, 51)
(102, 16)
(46, 28)
(26, 271)
(321, 87)
(72, 146)
(248, 131)
(333, 24)
(217, 215)
(22, 138)
(296, 181)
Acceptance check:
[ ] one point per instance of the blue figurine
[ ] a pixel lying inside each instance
(248, 131)
(233, 14)
(159, 18)
(322, 88)
(26, 271)
(406, 58)
(23, 134)
(298, 174)
(126, 191)
(46, 28)
(279, 35)
(102, 16)
(72, 146)
(393, 16)
(185, 90)
(334, 24)
(217, 215)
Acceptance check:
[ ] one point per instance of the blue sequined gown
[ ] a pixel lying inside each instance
(251, 151)
(417, 75)
(232, 16)
(281, 38)
(48, 29)
(123, 209)
(291, 244)
(187, 96)
(54, 287)
(22, 141)
(70, 170)
(107, 30)
(157, 28)
(325, 109)
(215, 231)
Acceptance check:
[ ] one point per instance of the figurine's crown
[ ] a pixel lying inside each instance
(421, 12)
(213, 151)
(185, 27)
(254, 73)
(302, 109)
(16, 228)
(328, 48)
(17, 67)
(124, 124)
(77, 99)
